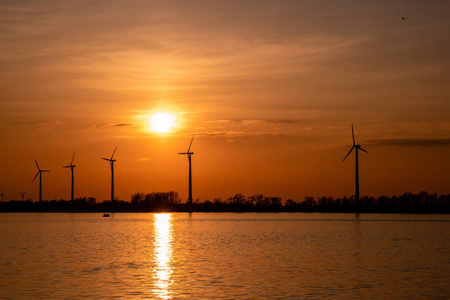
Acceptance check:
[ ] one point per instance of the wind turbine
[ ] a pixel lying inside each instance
(356, 147)
(71, 166)
(111, 162)
(40, 179)
(23, 194)
(2, 195)
(188, 153)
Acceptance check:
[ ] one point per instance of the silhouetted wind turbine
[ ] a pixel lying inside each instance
(188, 153)
(2, 195)
(40, 179)
(71, 166)
(23, 194)
(111, 162)
(356, 147)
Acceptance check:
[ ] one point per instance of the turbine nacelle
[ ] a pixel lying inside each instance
(189, 153)
(23, 194)
(108, 159)
(111, 159)
(39, 170)
(189, 149)
(358, 147)
(71, 163)
(39, 173)
(111, 162)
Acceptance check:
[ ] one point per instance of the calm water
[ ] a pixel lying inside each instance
(221, 255)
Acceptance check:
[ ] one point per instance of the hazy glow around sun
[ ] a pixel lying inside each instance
(161, 122)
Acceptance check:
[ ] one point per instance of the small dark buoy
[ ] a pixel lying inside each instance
(403, 18)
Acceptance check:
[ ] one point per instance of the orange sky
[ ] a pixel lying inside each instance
(270, 88)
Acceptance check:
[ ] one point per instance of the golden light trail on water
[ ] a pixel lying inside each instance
(163, 255)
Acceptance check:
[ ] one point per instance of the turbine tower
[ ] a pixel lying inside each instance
(71, 166)
(39, 173)
(2, 195)
(23, 194)
(111, 162)
(356, 147)
(188, 153)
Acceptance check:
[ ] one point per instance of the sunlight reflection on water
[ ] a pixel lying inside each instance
(224, 256)
(163, 255)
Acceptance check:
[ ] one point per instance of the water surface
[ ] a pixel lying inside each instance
(224, 255)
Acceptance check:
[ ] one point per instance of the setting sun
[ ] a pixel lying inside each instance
(161, 122)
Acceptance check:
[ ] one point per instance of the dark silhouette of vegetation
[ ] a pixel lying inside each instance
(171, 202)
(155, 202)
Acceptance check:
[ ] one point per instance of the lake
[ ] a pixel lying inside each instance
(224, 256)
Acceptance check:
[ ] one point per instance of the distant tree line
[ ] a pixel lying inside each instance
(152, 202)
(422, 202)
(406, 203)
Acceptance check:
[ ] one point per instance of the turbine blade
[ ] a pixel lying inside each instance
(348, 153)
(182, 153)
(106, 159)
(36, 176)
(36, 163)
(45, 171)
(113, 152)
(353, 136)
(66, 167)
(191, 143)
(363, 150)
(72, 158)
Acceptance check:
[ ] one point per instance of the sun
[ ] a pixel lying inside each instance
(161, 122)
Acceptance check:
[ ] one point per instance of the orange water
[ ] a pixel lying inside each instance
(224, 255)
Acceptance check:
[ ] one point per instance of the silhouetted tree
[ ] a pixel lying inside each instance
(422, 202)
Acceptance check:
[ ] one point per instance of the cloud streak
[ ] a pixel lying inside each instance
(108, 125)
(410, 142)
(231, 133)
(254, 121)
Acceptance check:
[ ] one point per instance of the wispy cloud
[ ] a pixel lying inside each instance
(260, 121)
(232, 133)
(236, 128)
(108, 125)
(144, 159)
(125, 137)
(253, 121)
(123, 124)
(42, 123)
(411, 142)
